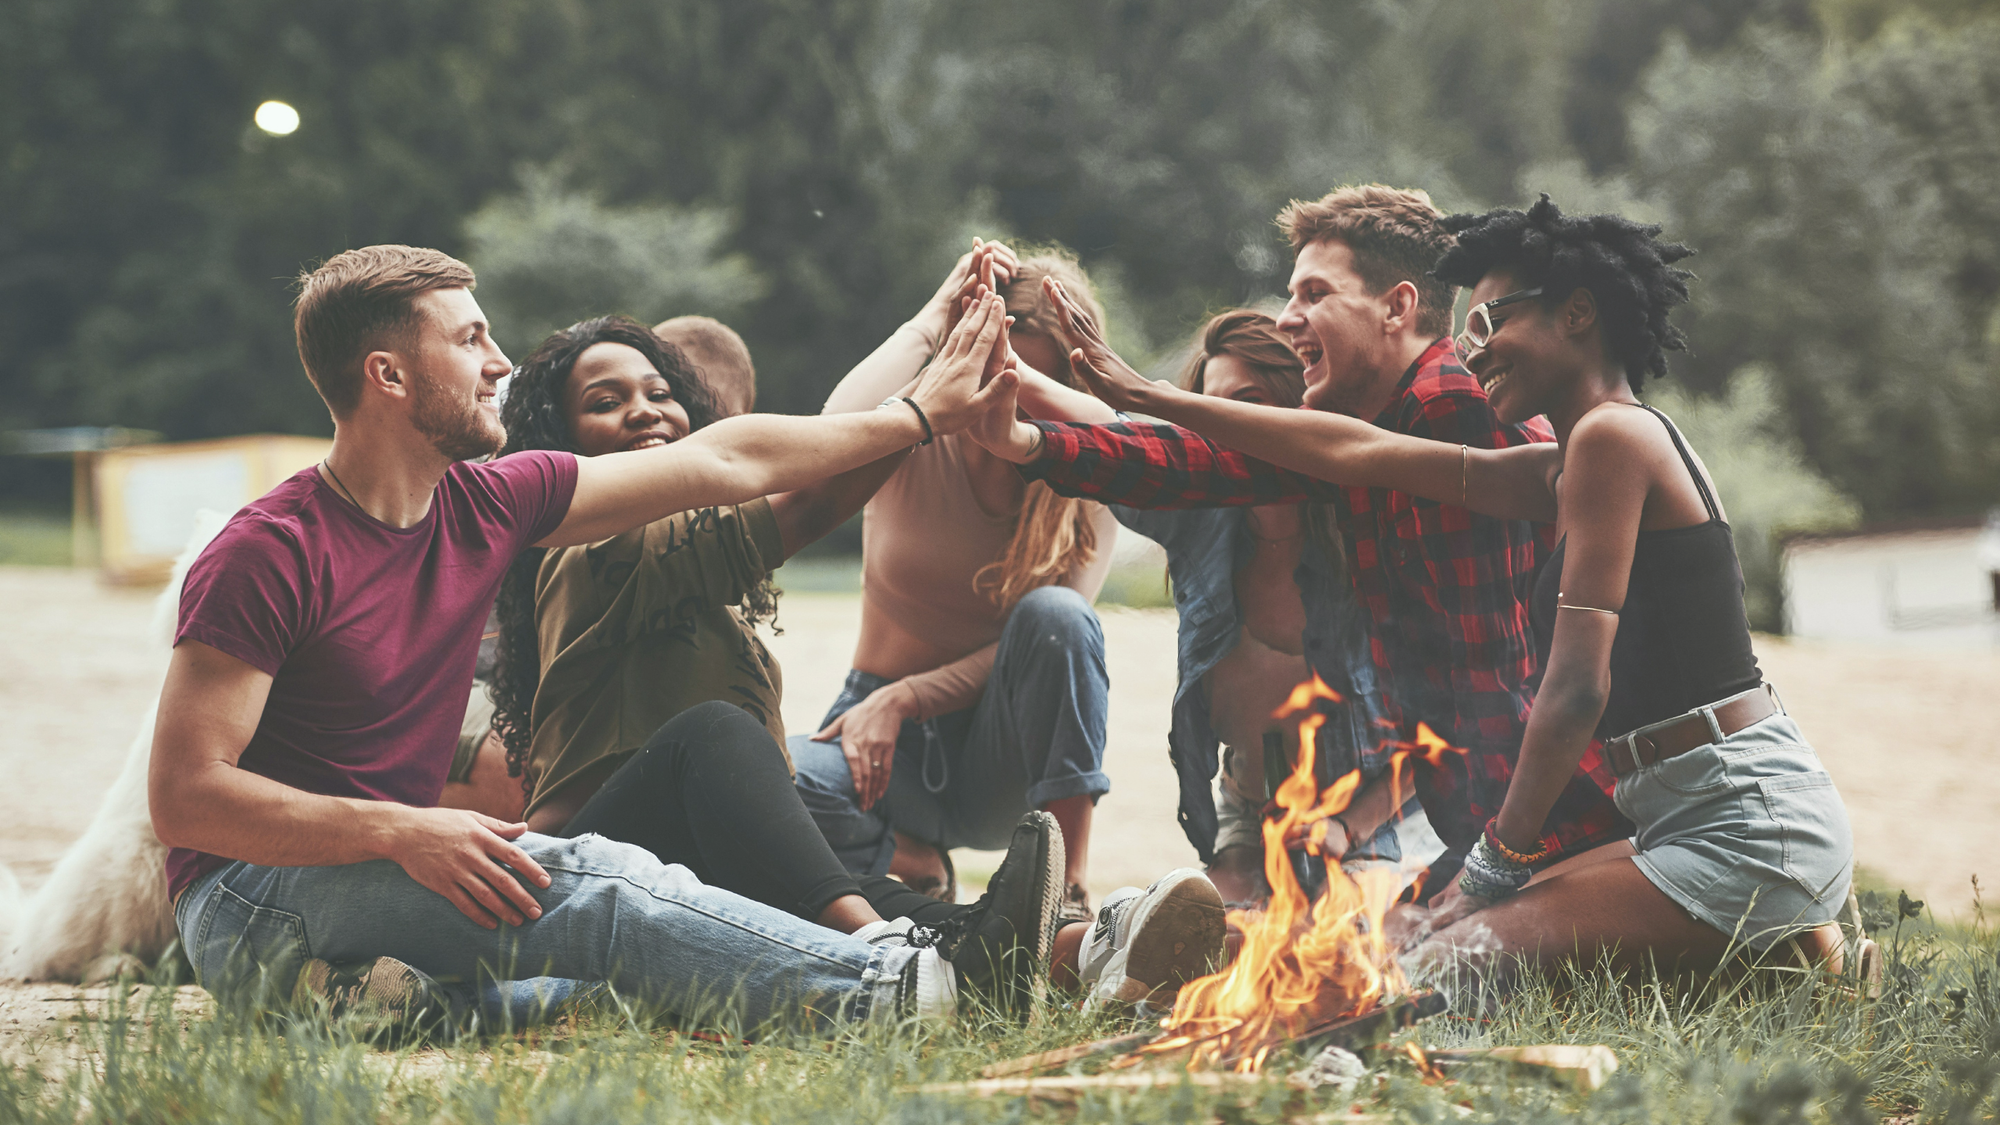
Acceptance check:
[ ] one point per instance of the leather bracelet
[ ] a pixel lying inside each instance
(929, 434)
(1492, 835)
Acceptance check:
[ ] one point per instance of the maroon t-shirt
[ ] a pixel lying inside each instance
(369, 632)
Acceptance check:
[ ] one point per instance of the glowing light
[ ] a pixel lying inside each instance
(277, 119)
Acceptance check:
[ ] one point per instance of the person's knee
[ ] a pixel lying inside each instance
(715, 729)
(1058, 614)
(711, 718)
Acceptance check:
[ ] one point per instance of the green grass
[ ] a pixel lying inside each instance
(34, 539)
(1776, 1049)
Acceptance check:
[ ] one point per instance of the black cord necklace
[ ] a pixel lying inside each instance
(338, 483)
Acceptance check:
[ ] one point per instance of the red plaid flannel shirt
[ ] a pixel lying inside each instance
(1446, 590)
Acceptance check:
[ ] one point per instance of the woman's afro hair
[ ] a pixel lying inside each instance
(1622, 262)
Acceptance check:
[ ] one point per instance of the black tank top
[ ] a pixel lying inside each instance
(1683, 640)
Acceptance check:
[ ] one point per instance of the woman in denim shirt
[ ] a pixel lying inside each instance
(1264, 604)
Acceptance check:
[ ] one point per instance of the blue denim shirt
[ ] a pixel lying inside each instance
(1205, 548)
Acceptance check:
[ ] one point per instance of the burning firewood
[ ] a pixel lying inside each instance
(1304, 962)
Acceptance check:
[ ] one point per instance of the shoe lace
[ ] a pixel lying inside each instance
(946, 936)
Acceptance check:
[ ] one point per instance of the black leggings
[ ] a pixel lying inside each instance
(710, 791)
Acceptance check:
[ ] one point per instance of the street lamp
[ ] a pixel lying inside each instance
(277, 119)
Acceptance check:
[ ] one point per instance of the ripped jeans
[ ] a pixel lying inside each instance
(963, 779)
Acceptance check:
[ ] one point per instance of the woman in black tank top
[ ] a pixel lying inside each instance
(1742, 839)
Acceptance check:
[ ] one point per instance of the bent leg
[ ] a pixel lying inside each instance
(1598, 908)
(611, 913)
(1038, 734)
(710, 790)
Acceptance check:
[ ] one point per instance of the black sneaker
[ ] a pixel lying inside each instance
(388, 997)
(999, 946)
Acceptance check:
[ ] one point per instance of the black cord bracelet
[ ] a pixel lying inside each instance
(929, 434)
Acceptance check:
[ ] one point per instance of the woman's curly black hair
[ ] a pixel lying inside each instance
(535, 419)
(1623, 263)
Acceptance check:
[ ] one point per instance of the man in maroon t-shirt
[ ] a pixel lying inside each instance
(327, 638)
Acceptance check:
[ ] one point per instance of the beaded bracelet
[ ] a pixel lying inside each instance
(1492, 835)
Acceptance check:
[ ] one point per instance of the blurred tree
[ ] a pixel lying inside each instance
(151, 231)
(1762, 477)
(1624, 38)
(1845, 245)
(548, 257)
(1161, 138)
(148, 232)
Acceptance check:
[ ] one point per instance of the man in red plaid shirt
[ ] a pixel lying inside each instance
(1445, 589)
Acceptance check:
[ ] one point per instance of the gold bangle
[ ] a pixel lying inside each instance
(1560, 604)
(1464, 476)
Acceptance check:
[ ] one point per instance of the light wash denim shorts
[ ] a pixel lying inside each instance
(1747, 834)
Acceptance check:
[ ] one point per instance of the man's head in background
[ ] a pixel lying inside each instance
(719, 354)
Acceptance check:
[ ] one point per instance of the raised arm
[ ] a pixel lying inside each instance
(1516, 483)
(201, 799)
(902, 355)
(752, 455)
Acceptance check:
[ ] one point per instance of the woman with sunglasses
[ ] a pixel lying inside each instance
(1741, 837)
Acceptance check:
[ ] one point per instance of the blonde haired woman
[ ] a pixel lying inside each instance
(978, 689)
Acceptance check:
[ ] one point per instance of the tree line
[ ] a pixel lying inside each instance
(807, 170)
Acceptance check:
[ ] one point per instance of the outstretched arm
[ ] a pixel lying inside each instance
(752, 455)
(1512, 483)
(902, 355)
(806, 515)
(200, 799)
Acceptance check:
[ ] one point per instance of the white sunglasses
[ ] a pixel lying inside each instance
(1479, 319)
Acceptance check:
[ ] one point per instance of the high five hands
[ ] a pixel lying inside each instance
(1110, 378)
(970, 371)
(1001, 430)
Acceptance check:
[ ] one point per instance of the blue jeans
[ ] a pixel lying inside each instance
(611, 913)
(963, 779)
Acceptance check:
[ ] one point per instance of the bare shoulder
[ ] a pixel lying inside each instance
(1618, 430)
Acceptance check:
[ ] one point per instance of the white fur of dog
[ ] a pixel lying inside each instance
(104, 909)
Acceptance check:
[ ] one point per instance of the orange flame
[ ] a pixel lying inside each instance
(1301, 963)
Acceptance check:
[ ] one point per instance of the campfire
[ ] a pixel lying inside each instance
(1307, 967)
(1316, 977)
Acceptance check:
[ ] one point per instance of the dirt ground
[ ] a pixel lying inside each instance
(1908, 735)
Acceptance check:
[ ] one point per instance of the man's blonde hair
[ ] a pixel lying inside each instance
(1395, 235)
(358, 302)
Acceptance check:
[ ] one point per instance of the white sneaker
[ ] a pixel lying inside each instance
(1146, 944)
